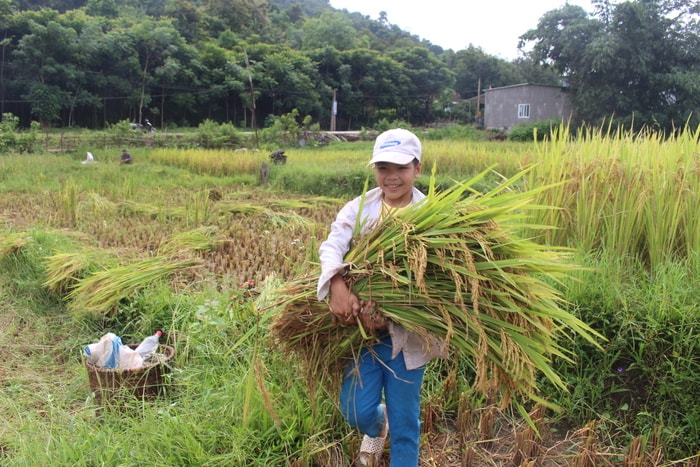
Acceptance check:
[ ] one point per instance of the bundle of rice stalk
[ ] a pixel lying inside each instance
(102, 290)
(132, 207)
(453, 266)
(65, 268)
(242, 209)
(13, 242)
(192, 241)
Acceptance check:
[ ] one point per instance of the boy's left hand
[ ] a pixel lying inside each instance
(371, 318)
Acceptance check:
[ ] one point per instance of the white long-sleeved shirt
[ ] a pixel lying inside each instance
(417, 350)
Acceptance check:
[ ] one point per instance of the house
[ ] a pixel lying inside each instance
(508, 106)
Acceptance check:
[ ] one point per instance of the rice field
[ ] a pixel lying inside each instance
(193, 241)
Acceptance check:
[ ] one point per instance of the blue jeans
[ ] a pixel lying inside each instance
(365, 380)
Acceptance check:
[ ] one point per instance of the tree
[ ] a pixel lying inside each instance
(147, 56)
(6, 10)
(224, 79)
(637, 61)
(242, 16)
(472, 66)
(528, 71)
(331, 29)
(561, 38)
(427, 78)
(370, 84)
(187, 19)
(288, 80)
(106, 8)
(163, 58)
(116, 58)
(45, 64)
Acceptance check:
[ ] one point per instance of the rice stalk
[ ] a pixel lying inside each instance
(69, 202)
(310, 203)
(131, 207)
(527, 447)
(284, 219)
(628, 194)
(587, 455)
(451, 266)
(65, 269)
(98, 205)
(11, 243)
(238, 208)
(196, 240)
(102, 291)
(199, 208)
(306, 329)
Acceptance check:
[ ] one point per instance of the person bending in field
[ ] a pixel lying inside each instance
(393, 368)
(125, 157)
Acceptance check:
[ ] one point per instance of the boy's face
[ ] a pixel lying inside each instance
(396, 182)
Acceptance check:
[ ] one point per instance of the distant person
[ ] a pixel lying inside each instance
(89, 159)
(125, 157)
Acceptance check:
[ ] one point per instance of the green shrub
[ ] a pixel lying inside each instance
(462, 112)
(120, 129)
(13, 140)
(454, 132)
(530, 131)
(384, 125)
(22, 257)
(317, 182)
(213, 135)
(285, 130)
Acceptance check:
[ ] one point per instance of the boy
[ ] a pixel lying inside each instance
(395, 365)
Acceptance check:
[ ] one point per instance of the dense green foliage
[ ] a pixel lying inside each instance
(646, 379)
(179, 64)
(92, 63)
(12, 139)
(533, 131)
(638, 61)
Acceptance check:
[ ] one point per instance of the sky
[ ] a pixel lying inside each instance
(492, 25)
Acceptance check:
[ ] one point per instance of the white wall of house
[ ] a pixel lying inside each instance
(508, 106)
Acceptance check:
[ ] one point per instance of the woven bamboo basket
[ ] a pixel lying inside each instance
(146, 382)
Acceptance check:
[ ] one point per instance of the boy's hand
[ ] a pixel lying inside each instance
(371, 318)
(344, 305)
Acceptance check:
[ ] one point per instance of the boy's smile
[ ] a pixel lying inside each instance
(396, 182)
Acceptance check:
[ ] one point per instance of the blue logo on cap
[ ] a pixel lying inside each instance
(390, 144)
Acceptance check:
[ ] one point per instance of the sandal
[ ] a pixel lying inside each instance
(371, 448)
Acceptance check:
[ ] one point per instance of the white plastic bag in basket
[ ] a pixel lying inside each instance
(105, 353)
(129, 358)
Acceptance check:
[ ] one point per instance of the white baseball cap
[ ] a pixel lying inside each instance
(397, 146)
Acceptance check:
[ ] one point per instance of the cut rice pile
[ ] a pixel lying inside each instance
(452, 266)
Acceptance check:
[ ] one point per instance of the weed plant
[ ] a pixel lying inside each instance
(645, 380)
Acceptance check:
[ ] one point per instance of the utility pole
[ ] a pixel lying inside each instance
(479, 118)
(252, 97)
(334, 109)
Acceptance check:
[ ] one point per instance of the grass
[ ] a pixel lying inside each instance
(650, 358)
(235, 398)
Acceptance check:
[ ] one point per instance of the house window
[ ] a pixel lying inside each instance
(523, 110)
